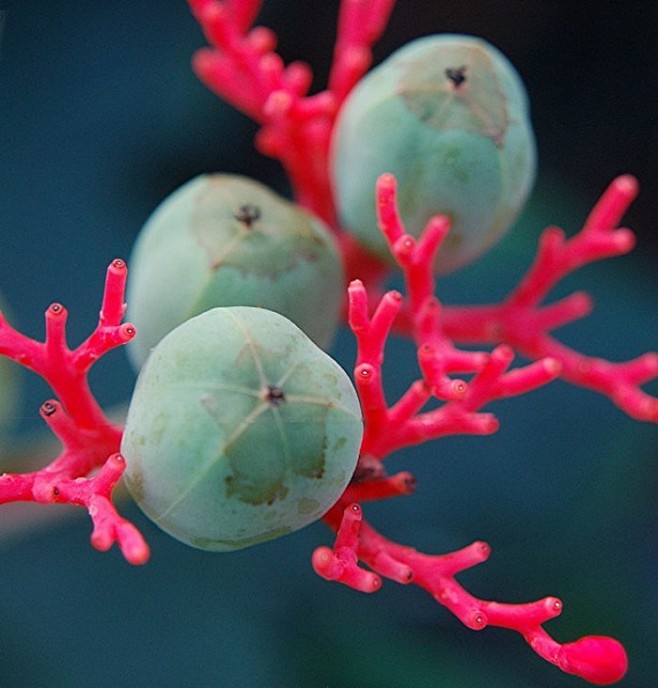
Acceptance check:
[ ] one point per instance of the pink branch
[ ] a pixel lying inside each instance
(66, 370)
(88, 439)
(390, 428)
(598, 659)
(243, 68)
(360, 25)
(521, 321)
(599, 238)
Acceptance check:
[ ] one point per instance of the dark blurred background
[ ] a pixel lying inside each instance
(101, 117)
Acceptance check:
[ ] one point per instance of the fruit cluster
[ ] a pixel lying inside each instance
(241, 427)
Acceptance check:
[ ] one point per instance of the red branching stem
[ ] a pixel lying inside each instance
(522, 321)
(66, 370)
(84, 448)
(342, 562)
(243, 68)
(599, 238)
(387, 428)
(89, 440)
(599, 659)
(377, 486)
(390, 428)
(360, 24)
(413, 256)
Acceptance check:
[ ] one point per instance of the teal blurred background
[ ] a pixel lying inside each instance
(100, 118)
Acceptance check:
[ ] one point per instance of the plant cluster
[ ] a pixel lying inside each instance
(241, 429)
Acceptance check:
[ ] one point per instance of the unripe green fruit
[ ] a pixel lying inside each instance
(9, 393)
(240, 430)
(225, 240)
(448, 116)
(10, 388)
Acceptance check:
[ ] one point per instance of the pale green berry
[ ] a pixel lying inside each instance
(448, 116)
(9, 394)
(10, 388)
(226, 240)
(240, 430)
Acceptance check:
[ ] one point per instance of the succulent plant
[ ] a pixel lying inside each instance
(448, 116)
(226, 240)
(240, 430)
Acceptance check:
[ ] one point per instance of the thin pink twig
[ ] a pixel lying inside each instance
(599, 659)
(89, 440)
(522, 321)
(243, 68)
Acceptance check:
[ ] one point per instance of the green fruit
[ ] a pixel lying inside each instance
(448, 116)
(10, 396)
(10, 390)
(224, 240)
(240, 430)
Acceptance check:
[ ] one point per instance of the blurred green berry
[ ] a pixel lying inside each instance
(448, 116)
(225, 240)
(240, 430)
(11, 396)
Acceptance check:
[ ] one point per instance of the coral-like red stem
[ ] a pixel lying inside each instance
(390, 428)
(371, 482)
(243, 68)
(598, 659)
(342, 562)
(524, 323)
(89, 440)
(360, 24)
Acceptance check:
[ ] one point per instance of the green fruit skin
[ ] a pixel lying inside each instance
(11, 388)
(10, 394)
(195, 253)
(467, 151)
(240, 430)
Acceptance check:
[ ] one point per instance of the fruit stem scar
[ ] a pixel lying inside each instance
(274, 395)
(457, 75)
(248, 214)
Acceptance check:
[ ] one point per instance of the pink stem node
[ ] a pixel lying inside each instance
(375, 488)
(341, 563)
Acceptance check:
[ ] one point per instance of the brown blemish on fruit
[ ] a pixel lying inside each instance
(246, 491)
(135, 484)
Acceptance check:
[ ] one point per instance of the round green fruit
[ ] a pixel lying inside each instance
(240, 430)
(11, 395)
(448, 116)
(225, 240)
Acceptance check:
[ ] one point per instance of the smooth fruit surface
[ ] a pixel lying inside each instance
(226, 240)
(11, 386)
(448, 116)
(240, 430)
